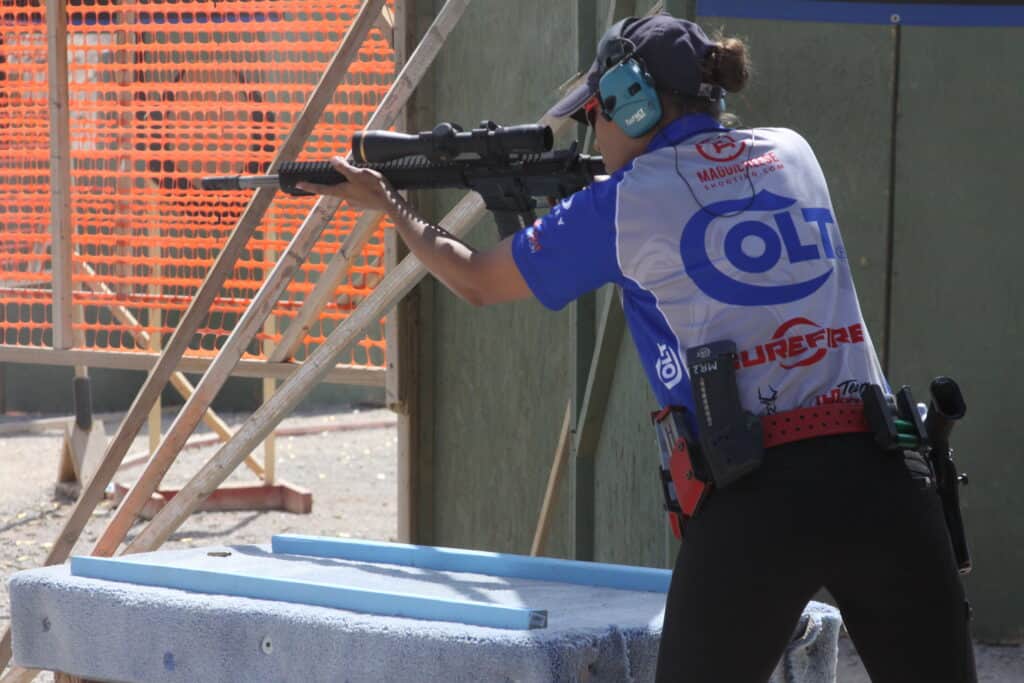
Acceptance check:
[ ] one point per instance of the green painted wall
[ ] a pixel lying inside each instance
(913, 137)
(956, 293)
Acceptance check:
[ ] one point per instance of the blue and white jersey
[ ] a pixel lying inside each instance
(716, 234)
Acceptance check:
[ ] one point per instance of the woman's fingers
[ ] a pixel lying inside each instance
(364, 188)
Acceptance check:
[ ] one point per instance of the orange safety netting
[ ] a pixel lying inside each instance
(161, 93)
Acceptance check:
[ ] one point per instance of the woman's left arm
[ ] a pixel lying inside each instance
(479, 277)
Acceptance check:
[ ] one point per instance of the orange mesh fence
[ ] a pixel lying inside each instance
(161, 93)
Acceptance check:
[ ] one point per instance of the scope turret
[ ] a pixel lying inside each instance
(448, 141)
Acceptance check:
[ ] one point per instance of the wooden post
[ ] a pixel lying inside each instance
(269, 384)
(263, 303)
(540, 535)
(60, 170)
(155, 320)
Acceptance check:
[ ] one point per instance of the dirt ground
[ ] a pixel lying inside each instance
(351, 474)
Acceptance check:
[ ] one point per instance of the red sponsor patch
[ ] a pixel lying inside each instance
(721, 148)
(800, 342)
(533, 237)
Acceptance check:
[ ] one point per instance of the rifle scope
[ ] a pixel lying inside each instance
(448, 141)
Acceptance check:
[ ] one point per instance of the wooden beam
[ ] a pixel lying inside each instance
(155, 289)
(540, 535)
(386, 24)
(270, 385)
(61, 228)
(590, 420)
(339, 374)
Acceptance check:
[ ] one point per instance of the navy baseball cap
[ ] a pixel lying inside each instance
(671, 49)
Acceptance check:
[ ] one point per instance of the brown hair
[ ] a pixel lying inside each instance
(726, 65)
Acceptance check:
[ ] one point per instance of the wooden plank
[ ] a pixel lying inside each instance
(309, 593)
(339, 374)
(557, 468)
(269, 386)
(60, 170)
(155, 289)
(280, 496)
(618, 576)
(386, 25)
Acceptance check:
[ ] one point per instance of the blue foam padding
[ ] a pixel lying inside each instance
(617, 576)
(147, 573)
(117, 631)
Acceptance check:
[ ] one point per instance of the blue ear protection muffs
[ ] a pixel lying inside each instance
(629, 99)
(626, 90)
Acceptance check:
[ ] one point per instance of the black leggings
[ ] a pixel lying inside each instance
(835, 512)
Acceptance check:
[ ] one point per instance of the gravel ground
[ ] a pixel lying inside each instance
(350, 473)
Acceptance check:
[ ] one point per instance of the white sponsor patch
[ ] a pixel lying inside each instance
(669, 370)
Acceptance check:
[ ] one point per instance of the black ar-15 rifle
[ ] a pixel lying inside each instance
(508, 166)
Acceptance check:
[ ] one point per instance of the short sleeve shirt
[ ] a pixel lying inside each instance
(716, 234)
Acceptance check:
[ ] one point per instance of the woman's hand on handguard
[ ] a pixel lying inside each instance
(366, 189)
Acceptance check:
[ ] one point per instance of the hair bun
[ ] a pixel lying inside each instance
(727, 64)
